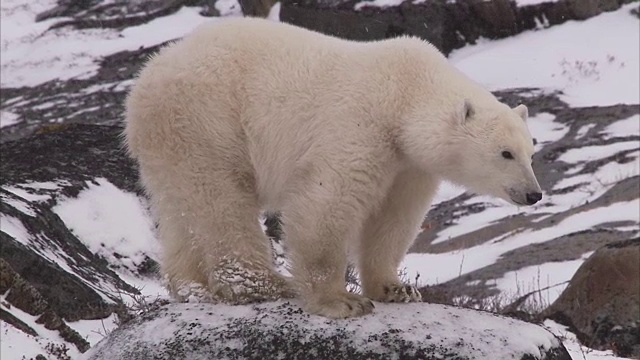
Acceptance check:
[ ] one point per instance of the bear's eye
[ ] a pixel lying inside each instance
(507, 155)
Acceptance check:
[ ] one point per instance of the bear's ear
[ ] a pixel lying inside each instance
(466, 111)
(522, 111)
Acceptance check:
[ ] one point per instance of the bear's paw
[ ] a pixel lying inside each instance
(192, 292)
(339, 306)
(237, 282)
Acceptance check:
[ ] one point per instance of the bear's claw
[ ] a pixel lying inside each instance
(401, 293)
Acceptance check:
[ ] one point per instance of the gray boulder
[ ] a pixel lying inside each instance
(601, 305)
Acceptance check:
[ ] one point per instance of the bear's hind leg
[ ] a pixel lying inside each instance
(389, 232)
(214, 247)
(237, 256)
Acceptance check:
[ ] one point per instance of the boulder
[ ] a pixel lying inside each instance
(602, 302)
(281, 330)
(256, 8)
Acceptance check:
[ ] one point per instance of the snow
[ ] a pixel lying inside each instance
(27, 46)
(228, 8)
(532, 2)
(14, 228)
(605, 177)
(377, 3)
(26, 195)
(584, 130)
(442, 267)
(626, 127)
(17, 345)
(18, 204)
(543, 128)
(594, 62)
(274, 12)
(479, 220)
(109, 221)
(8, 118)
(587, 153)
(447, 191)
(577, 351)
(25, 191)
(552, 275)
(94, 330)
(45, 185)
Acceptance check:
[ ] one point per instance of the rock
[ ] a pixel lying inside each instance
(602, 302)
(108, 14)
(256, 8)
(282, 330)
(447, 24)
(584, 9)
(97, 99)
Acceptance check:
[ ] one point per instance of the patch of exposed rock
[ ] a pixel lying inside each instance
(447, 24)
(24, 296)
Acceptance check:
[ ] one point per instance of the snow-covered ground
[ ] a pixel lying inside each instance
(594, 62)
(32, 55)
(113, 224)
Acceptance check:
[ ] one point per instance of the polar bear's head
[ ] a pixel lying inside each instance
(487, 149)
(492, 151)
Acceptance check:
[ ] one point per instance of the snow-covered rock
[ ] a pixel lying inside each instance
(281, 330)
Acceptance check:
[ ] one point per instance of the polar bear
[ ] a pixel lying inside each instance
(347, 140)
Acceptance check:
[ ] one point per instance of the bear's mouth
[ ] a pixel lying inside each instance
(518, 202)
(515, 197)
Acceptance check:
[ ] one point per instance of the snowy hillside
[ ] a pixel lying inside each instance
(579, 80)
(585, 66)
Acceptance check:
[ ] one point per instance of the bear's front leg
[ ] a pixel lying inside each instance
(320, 225)
(388, 234)
(318, 255)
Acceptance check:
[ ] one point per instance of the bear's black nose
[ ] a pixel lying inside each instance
(533, 198)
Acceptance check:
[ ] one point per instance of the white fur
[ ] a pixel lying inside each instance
(348, 140)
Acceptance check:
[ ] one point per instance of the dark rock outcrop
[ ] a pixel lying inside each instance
(448, 25)
(602, 302)
(24, 296)
(71, 157)
(281, 330)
